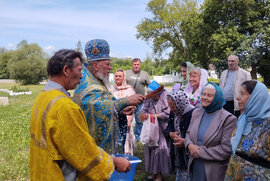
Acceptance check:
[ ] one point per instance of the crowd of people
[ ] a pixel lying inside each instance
(205, 132)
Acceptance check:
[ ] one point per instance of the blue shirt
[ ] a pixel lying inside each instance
(198, 170)
(228, 89)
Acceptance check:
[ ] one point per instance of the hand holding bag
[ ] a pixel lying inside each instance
(150, 131)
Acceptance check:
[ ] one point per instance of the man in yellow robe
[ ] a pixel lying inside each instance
(61, 147)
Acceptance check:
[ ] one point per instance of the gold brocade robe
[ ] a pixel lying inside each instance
(59, 132)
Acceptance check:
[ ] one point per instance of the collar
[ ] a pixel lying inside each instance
(53, 85)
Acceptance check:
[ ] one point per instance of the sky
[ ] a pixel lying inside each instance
(58, 24)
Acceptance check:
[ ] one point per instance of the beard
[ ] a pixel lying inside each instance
(104, 79)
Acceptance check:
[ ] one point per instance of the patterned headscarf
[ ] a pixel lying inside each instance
(183, 106)
(176, 87)
(194, 98)
(181, 101)
(257, 108)
(218, 102)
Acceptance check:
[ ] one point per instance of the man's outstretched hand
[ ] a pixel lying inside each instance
(135, 99)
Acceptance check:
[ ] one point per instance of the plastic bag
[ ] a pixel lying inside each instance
(150, 132)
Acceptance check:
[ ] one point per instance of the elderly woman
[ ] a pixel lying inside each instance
(157, 159)
(177, 128)
(251, 140)
(208, 137)
(119, 90)
(197, 79)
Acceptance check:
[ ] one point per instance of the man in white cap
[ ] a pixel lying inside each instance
(99, 105)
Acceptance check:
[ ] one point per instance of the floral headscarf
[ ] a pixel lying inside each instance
(196, 97)
(182, 106)
(257, 108)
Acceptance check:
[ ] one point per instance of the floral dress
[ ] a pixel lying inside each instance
(252, 159)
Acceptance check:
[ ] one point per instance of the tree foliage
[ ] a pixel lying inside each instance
(210, 34)
(157, 67)
(237, 27)
(121, 63)
(27, 64)
(172, 26)
(4, 60)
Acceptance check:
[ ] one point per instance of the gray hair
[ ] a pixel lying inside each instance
(195, 69)
(90, 65)
(210, 86)
(234, 56)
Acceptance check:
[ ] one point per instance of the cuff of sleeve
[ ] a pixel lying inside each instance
(121, 103)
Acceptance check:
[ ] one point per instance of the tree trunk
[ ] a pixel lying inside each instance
(253, 71)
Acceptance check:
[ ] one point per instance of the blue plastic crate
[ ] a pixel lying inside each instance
(130, 174)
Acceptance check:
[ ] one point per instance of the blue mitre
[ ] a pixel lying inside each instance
(97, 49)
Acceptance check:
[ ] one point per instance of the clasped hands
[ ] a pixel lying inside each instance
(178, 141)
(194, 150)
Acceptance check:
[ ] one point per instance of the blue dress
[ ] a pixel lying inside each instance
(197, 167)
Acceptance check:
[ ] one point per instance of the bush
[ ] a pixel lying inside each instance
(18, 89)
(28, 64)
(211, 79)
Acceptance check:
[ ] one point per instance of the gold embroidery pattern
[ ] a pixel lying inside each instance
(43, 140)
(95, 51)
(93, 163)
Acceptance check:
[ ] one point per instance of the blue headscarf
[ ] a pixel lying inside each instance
(218, 102)
(153, 86)
(257, 108)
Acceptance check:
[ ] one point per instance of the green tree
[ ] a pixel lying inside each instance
(148, 66)
(235, 26)
(121, 63)
(4, 61)
(171, 26)
(28, 63)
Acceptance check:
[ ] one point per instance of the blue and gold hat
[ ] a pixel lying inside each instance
(97, 49)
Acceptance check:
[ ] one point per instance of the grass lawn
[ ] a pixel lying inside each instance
(15, 136)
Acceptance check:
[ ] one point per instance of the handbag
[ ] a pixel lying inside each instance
(150, 131)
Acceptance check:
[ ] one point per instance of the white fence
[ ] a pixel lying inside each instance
(167, 79)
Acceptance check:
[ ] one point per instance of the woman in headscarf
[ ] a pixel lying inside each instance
(157, 159)
(119, 90)
(177, 128)
(208, 137)
(197, 80)
(185, 69)
(251, 140)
